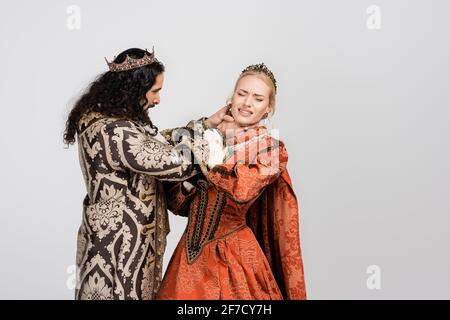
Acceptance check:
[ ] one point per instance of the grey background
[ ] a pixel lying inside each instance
(364, 115)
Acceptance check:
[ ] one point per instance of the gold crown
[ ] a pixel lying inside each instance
(261, 67)
(131, 63)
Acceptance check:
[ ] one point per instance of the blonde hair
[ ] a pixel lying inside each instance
(264, 77)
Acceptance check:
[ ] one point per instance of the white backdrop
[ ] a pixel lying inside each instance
(363, 108)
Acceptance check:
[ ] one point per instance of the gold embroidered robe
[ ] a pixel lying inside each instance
(122, 237)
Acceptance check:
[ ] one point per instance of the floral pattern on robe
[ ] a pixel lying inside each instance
(122, 237)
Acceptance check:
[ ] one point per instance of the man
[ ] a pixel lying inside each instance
(124, 160)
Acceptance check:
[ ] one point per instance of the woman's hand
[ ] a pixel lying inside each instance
(221, 116)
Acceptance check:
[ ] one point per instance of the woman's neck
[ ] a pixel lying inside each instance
(247, 126)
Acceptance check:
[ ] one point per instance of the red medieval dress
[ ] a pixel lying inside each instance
(242, 238)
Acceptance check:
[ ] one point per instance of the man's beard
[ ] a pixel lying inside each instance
(149, 107)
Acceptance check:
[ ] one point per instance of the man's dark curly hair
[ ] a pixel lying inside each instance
(117, 94)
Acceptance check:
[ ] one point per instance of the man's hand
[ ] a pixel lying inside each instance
(221, 116)
(230, 129)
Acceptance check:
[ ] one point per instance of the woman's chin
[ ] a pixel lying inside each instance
(245, 121)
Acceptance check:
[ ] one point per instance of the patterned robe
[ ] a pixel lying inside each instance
(242, 238)
(122, 237)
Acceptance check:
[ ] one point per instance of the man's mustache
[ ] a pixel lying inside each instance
(149, 106)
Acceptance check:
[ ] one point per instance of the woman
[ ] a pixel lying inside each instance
(242, 238)
(123, 159)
